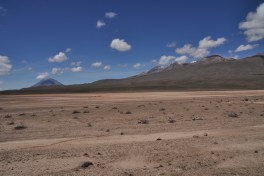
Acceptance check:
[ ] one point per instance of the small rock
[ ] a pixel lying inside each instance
(255, 151)
(85, 154)
(205, 134)
(86, 164)
(121, 133)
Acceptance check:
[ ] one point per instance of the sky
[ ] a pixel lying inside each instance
(80, 41)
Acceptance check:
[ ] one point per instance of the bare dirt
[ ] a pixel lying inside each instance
(215, 133)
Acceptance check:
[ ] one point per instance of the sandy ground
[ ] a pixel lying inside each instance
(152, 133)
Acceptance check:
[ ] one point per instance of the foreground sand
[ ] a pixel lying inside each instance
(153, 133)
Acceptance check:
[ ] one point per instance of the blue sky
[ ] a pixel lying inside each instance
(79, 41)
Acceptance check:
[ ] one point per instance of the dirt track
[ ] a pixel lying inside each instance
(154, 133)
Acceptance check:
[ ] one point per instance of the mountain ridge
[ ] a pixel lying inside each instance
(216, 74)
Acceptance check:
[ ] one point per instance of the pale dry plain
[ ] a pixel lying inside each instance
(151, 133)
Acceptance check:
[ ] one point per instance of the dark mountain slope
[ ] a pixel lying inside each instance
(48, 82)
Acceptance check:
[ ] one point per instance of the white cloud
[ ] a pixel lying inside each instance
(78, 63)
(254, 24)
(42, 76)
(100, 23)
(245, 47)
(181, 59)
(57, 71)
(61, 57)
(137, 65)
(165, 60)
(110, 14)
(76, 69)
(97, 64)
(107, 67)
(68, 50)
(171, 45)
(207, 42)
(120, 45)
(5, 66)
(203, 49)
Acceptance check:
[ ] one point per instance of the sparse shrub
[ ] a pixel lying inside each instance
(33, 115)
(114, 107)
(89, 125)
(75, 117)
(122, 133)
(141, 106)
(20, 127)
(206, 109)
(1, 108)
(128, 112)
(171, 121)
(143, 121)
(7, 116)
(75, 112)
(162, 109)
(232, 114)
(11, 123)
(85, 111)
(21, 114)
(97, 107)
(85, 107)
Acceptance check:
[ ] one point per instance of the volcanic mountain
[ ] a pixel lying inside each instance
(48, 82)
(209, 73)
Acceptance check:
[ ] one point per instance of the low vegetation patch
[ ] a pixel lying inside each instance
(20, 127)
(143, 121)
(76, 112)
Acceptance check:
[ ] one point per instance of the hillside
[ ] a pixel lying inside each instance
(210, 73)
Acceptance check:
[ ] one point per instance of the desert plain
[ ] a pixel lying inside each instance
(206, 133)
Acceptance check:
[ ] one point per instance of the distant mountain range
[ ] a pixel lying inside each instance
(48, 82)
(209, 73)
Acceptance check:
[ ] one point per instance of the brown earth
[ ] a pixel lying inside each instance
(147, 133)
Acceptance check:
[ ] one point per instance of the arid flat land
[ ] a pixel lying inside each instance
(206, 133)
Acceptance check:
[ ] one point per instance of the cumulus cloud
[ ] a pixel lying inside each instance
(120, 45)
(5, 66)
(203, 49)
(76, 69)
(181, 59)
(78, 63)
(68, 50)
(57, 71)
(107, 67)
(254, 24)
(61, 57)
(165, 60)
(245, 47)
(110, 14)
(97, 64)
(137, 65)
(42, 76)
(171, 45)
(100, 23)
(207, 42)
